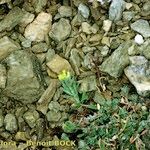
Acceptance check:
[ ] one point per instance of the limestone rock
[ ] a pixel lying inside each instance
(88, 84)
(31, 117)
(86, 28)
(115, 10)
(7, 46)
(75, 60)
(4, 1)
(65, 11)
(139, 74)
(42, 104)
(39, 4)
(10, 123)
(60, 30)
(107, 25)
(40, 47)
(58, 64)
(84, 10)
(146, 8)
(128, 5)
(53, 116)
(141, 26)
(12, 19)
(22, 82)
(115, 64)
(39, 28)
(145, 49)
(139, 39)
(128, 15)
(27, 18)
(1, 119)
(3, 76)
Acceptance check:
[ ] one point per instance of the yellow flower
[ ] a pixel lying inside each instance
(64, 75)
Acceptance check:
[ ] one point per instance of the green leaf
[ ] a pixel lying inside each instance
(91, 106)
(84, 97)
(69, 127)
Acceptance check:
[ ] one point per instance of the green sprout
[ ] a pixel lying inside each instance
(71, 87)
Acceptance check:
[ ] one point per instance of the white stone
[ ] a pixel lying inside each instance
(86, 28)
(84, 10)
(139, 39)
(2, 76)
(107, 25)
(128, 5)
(39, 28)
(138, 74)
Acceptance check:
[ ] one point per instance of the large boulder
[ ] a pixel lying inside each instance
(138, 74)
(12, 19)
(22, 82)
(115, 64)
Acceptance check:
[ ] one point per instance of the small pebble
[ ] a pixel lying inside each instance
(128, 5)
(139, 39)
(107, 25)
(84, 10)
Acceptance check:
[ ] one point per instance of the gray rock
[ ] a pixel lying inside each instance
(39, 4)
(53, 116)
(58, 64)
(87, 49)
(11, 19)
(115, 10)
(88, 84)
(54, 105)
(84, 10)
(75, 60)
(146, 8)
(141, 26)
(27, 18)
(7, 46)
(65, 11)
(86, 28)
(145, 49)
(22, 82)
(60, 30)
(40, 48)
(115, 64)
(3, 76)
(4, 1)
(10, 123)
(1, 119)
(42, 104)
(26, 43)
(128, 15)
(98, 97)
(87, 62)
(136, 1)
(104, 51)
(139, 74)
(31, 117)
(50, 54)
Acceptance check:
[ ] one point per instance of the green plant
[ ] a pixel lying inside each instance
(69, 127)
(71, 87)
(116, 127)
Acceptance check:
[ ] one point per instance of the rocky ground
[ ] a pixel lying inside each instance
(102, 100)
